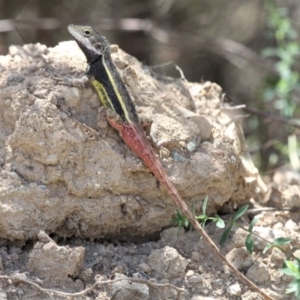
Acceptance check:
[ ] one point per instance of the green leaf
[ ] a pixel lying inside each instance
(268, 246)
(249, 243)
(277, 243)
(294, 287)
(225, 235)
(292, 268)
(180, 220)
(186, 223)
(204, 205)
(253, 222)
(201, 217)
(281, 241)
(219, 222)
(240, 212)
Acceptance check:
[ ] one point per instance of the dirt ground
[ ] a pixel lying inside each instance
(81, 214)
(176, 257)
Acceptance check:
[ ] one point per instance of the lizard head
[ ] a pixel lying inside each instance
(92, 44)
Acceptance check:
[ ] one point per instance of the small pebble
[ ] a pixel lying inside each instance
(258, 273)
(189, 273)
(118, 269)
(144, 268)
(196, 256)
(219, 281)
(290, 225)
(195, 279)
(234, 290)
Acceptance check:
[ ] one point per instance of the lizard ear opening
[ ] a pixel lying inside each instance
(99, 46)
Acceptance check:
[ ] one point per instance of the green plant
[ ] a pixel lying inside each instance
(292, 268)
(279, 92)
(182, 222)
(286, 52)
(277, 243)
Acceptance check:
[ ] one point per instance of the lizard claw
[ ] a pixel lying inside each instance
(112, 115)
(114, 120)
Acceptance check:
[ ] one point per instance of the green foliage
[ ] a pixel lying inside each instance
(180, 220)
(236, 216)
(277, 243)
(279, 92)
(286, 52)
(292, 268)
(249, 240)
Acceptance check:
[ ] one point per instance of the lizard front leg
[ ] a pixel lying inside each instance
(82, 82)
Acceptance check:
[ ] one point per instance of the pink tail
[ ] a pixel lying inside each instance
(135, 139)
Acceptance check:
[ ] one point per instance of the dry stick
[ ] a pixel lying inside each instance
(183, 207)
(263, 114)
(91, 288)
(267, 209)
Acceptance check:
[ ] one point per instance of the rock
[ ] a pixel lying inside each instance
(195, 279)
(291, 225)
(3, 295)
(87, 275)
(200, 297)
(258, 273)
(274, 295)
(296, 254)
(144, 268)
(57, 175)
(268, 234)
(1, 265)
(240, 258)
(237, 238)
(189, 273)
(285, 195)
(251, 296)
(118, 269)
(196, 256)
(286, 176)
(167, 263)
(277, 257)
(234, 290)
(178, 239)
(54, 263)
(126, 290)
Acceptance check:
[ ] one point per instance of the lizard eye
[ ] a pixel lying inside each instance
(86, 31)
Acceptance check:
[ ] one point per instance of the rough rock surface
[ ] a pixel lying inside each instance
(122, 290)
(167, 263)
(64, 171)
(46, 260)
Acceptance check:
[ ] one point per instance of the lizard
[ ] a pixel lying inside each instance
(120, 110)
(122, 116)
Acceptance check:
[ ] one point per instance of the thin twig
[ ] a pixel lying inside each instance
(150, 283)
(272, 117)
(182, 205)
(262, 209)
(264, 114)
